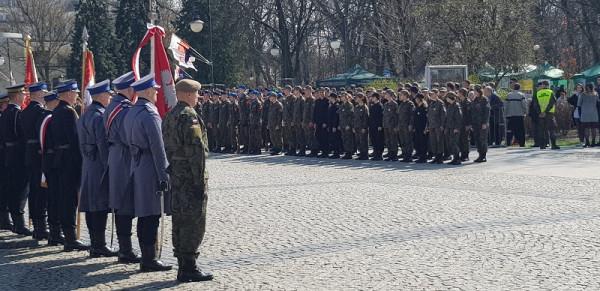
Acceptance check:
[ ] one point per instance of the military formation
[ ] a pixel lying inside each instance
(115, 157)
(413, 124)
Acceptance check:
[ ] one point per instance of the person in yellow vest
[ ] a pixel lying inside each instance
(544, 105)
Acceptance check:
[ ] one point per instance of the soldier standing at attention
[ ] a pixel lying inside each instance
(265, 139)
(463, 139)
(376, 126)
(38, 199)
(67, 161)
(255, 123)
(186, 147)
(244, 112)
(480, 118)
(453, 125)
(346, 116)
(274, 124)
(320, 120)
(406, 110)
(16, 174)
(390, 125)
(224, 134)
(94, 186)
(333, 122)
(436, 115)
(297, 119)
(308, 124)
(289, 138)
(5, 221)
(120, 193)
(213, 121)
(420, 135)
(148, 170)
(233, 123)
(361, 126)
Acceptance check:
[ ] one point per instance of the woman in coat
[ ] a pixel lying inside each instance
(588, 112)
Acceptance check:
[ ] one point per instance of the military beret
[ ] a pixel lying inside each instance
(272, 94)
(254, 92)
(188, 86)
(15, 88)
(231, 94)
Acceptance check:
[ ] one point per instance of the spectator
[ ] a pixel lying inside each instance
(574, 100)
(588, 112)
(496, 116)
(516, 109)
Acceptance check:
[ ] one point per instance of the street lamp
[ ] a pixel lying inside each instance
(536, 47)
(335, 44)
(428, 44)
(275, 51)
(197, 25)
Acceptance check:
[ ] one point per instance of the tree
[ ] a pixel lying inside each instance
(93, 15)
(130, 28)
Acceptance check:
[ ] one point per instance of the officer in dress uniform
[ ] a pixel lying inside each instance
(186, 146)
(94, 185)
(49, 180)
(38, 200)
(17, 176)
(120, 196)
(5, 221)
(148, 174)
(67, 160)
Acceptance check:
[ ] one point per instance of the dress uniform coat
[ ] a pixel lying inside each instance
(361, 129)
(420, 136)
(436, 116)
(94, 149)
(405, 127)
(264, 130)
(148, 159)
(233, 125)
(244, 112)
(47, 145)
(390, 127)
(346, 113)
(224, 134)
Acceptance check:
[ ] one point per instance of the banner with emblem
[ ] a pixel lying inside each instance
(30, 70)
(88, 71)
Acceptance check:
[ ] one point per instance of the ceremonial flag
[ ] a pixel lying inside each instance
(162, 69)
(30, 70)
(181, 51)
(180, 74)
(88, 71)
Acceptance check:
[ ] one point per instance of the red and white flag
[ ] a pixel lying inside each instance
(88, 70)
(30, 70)
(162, 69)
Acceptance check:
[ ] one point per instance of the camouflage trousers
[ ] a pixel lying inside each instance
(188, 216)
(481, 139)
(310, 137)
(300, 137)
(436, 140)
(276, 138)
(289, 138)
(463, 142)
(348, 140)
(224, 137)
(255, 137)
(452, 139)
(243, 140)
(406, 142)
(212, 138)
(391, 139)
(362, 141)
(234, 138)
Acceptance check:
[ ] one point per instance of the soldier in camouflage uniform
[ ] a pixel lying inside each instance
(234, 122)
(289, 139)
(406, 111)
(308, 122)
(453, 125)
(224, 145)
(436, 116)
(186, 148)
(390, 125)
(255, 124)
(361, 126)
(463, 139)
(298, 122)
(346, 113)
(480, 121)
(244, 112)
(213, 122)
(274, 124)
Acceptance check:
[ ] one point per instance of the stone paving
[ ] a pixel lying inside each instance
(526, 220)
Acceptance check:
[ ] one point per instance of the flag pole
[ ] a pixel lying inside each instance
(152, 16)
(85, 38)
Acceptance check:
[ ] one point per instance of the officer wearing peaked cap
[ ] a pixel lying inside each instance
(38, 199)
(5, 221)
(148, 174)
(94, 187)
(119, 163)
(67, 160)
(17, 178)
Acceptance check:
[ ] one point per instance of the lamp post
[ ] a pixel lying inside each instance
(536, 49)
(275, 52)
(335, 45)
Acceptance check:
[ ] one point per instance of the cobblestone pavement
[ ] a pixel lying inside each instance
(526, 220)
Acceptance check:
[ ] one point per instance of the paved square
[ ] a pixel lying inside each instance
(527, 219)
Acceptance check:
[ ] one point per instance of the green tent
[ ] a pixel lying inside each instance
(588, 75)
(356, 76)
(545, 71)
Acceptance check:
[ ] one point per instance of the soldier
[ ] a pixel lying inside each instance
(376, 126)
(480, 118)
(274, 124)
(224, 134)
(265, 116)
(204, 99)
(390, 125)
(244, 112)
(289, 138)
(120, 198)
(16, 174)
(436, 116)
(320, 120)
(187, 149)
(308, 124)
(346, 117)
(463, 139)
(50, 180)
(298, 122)
(213, 121)
(333, 123)
(67, 160)
(148, 170)
(453, 125)
(94, 150)
(38, 200)
(255, 123)
(234, 122)
(406, 110)
(361, 126)
(5, 221)
(420, 122)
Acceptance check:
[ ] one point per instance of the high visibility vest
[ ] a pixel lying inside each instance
(543, 97)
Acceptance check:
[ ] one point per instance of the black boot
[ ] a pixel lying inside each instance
(149, 262)
(126, 254)
(377, 156)
(456, 161)
(98, 247)
(313, 154)
(55, 238)
(347, 156)
(302, 153)
(71, 243)
(19, 225)
(464, 157)
(481, 159)
(40, 229)
(5, 222)
(439, 159)
(189, 272)
(335, 155)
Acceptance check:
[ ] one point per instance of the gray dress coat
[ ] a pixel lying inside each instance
(120, 192)
(588, 107)
(148, 158)
(94, 151)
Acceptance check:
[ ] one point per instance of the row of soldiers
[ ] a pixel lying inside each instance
(413, 123)
(119, 157)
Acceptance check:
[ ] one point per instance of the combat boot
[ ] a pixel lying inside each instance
(149, 263)
(301, 153)
(313, 154)
(55, 238)
(481, 159)
(189, 272)
(98, 247)
(71, 243)
(5, 222)
(335, 155)
(19, 225)
(347, 156)
(40, 229)
(455, 161)
(126, 254)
